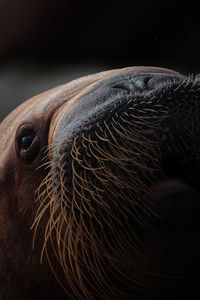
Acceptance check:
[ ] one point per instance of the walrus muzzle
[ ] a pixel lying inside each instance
(115, 167)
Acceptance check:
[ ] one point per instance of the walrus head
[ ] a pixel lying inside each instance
(100, 184)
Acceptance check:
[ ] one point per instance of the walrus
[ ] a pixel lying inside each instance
(100, 189)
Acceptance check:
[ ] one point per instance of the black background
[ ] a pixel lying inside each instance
(44, 43)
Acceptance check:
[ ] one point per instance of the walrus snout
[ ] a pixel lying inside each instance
(114, 95)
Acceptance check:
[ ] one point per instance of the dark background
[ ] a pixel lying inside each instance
(44, 43)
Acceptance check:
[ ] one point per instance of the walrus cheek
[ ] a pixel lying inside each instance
(8, 193)
(27, 182)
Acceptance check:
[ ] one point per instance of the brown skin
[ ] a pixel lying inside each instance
(21, 274)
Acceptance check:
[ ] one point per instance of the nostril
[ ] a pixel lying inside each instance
(142, 83)
(133, 84)
(124, 85)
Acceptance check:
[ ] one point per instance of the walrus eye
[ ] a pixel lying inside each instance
(27, 143)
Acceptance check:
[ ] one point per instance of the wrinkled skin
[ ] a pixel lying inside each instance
(100, 189)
